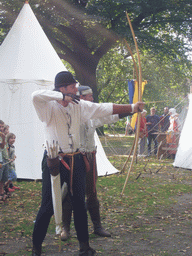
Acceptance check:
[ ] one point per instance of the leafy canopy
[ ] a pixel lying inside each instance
(83, 31)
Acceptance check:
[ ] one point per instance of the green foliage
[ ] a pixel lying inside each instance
(159, 25)
(168, 80)
(113, 72)
(83, 31)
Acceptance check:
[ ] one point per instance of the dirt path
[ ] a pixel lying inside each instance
(168, 232)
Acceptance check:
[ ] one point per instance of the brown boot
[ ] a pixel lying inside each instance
(95, 217)
(100, 231)
(67, 213)
(36, 251)
(65, 233)
(85, 249)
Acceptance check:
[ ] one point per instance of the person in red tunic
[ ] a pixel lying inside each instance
(143, 132)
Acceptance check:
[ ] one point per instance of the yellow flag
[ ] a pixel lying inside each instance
(135, 99)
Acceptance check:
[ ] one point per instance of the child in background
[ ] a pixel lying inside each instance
(3, 161)
(11, 153)
(6, 132)
(6, 129)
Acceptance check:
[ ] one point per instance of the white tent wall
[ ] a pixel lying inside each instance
(24, 123)
(29, 62)
(183, 156)
(104, 167)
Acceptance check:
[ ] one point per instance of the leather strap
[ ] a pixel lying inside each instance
(70, 166)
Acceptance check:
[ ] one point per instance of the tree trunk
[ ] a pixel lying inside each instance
(88, 78)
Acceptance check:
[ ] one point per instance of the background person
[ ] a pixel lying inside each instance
(3, 161)
(152, 127)
(87, 131)
(12, 176)
(143, 133)
(6, 129)
(164, 120)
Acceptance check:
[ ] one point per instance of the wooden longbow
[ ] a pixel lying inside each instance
(139, 99)
(137, 75)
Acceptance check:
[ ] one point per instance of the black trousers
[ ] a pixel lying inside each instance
(78, 200)
(149, 141)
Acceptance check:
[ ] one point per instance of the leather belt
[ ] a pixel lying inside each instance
(71, 165)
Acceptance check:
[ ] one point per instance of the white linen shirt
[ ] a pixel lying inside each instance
(87, 131)
(62, 124)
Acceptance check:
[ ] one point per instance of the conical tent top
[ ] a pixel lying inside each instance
(26, 52)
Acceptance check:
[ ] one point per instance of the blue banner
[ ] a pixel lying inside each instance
(131, 89)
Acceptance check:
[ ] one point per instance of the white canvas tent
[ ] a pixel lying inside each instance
(104, 167)
(183, 156)
(28, 62)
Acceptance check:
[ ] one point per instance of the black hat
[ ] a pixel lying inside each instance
(84, 90)
(64, 78)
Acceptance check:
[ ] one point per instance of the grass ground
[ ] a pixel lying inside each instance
(152, 217)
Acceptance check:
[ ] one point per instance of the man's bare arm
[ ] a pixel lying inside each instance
(128, 108)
